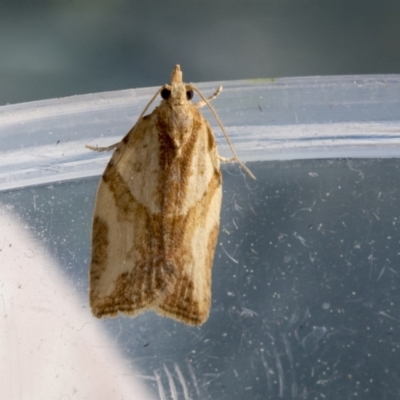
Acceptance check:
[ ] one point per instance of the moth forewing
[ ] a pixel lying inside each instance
(156, 217)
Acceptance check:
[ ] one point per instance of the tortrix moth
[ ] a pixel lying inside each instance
(157, 211)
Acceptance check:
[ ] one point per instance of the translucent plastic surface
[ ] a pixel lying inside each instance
(306, 278)
(283, 119)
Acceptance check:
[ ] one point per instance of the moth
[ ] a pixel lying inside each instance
(156, 218)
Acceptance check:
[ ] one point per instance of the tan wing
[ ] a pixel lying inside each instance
(190, 299)
(127, 272)
(156, 221)
(196, 233)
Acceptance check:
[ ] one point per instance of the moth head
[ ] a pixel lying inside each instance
(177, 92)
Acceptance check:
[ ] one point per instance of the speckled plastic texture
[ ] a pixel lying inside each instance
(306, 278)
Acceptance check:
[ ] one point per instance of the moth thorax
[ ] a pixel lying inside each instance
(179, 127)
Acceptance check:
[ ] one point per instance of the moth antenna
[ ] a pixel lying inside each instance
(152, 99)
(148, 105)
(223, 130)
(100, 149)
(200, 104)
(115, 145)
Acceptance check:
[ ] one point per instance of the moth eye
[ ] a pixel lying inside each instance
(165, 94)
(189, 94)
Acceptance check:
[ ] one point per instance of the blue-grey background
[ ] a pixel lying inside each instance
(60, 48)
(310, 308)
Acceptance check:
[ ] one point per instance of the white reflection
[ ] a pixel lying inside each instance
(50, 346)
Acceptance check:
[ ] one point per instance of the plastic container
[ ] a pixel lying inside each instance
(306, 278)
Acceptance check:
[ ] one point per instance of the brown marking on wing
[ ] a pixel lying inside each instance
(210, 139)
(134, 291)
(153, 273)
(184, 303)
(100, 242)
(99, 255)
(212, 242)
(175, 166)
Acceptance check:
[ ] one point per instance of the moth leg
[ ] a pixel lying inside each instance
(97, 148)
(202, 103)
(227, 159)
